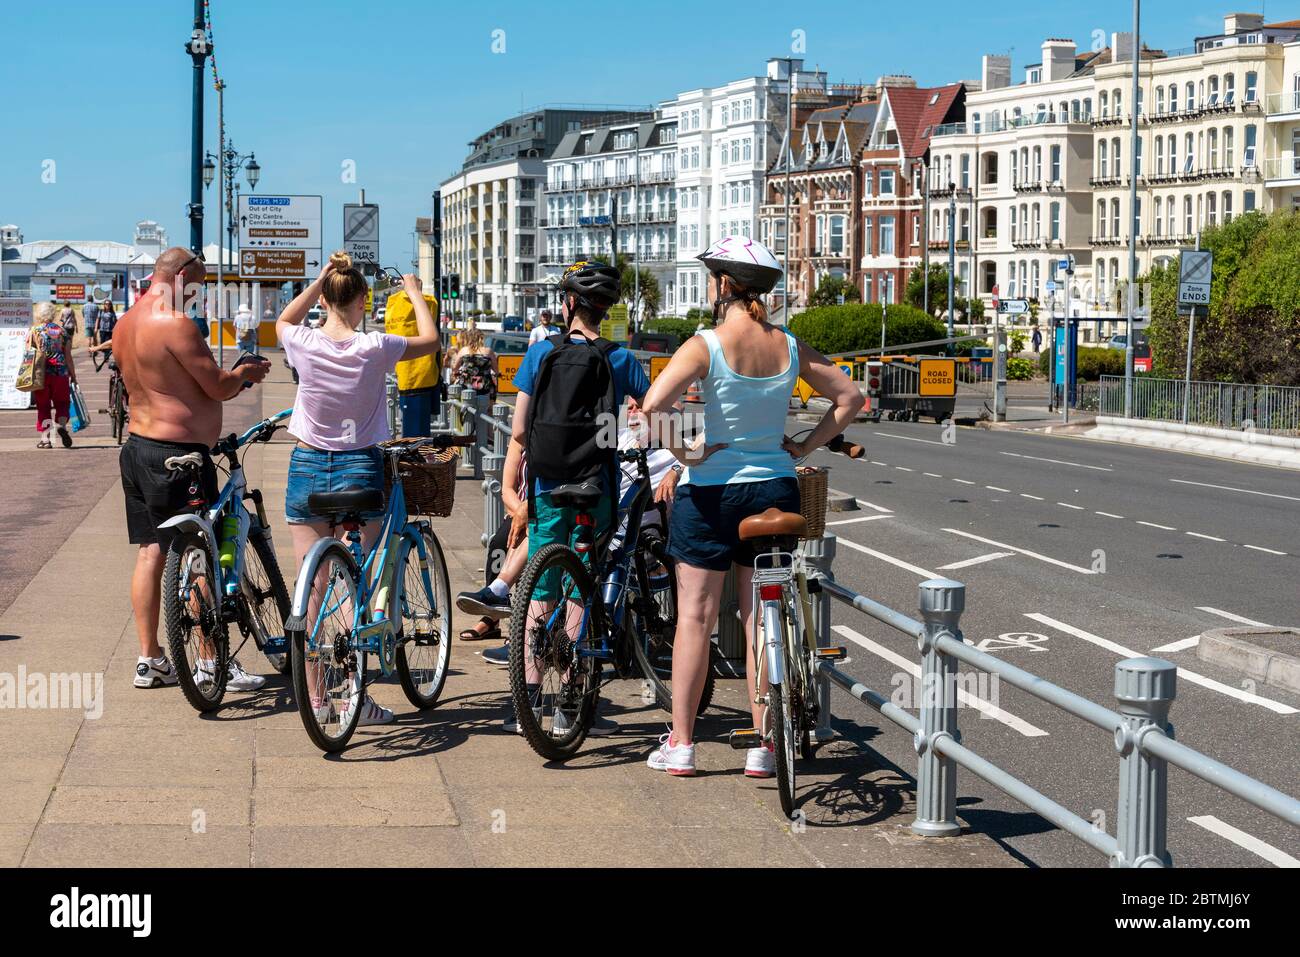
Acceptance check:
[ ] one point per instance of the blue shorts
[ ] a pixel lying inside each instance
(314, 471)
(704, 524)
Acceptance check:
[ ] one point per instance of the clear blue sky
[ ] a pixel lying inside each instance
(401, 86)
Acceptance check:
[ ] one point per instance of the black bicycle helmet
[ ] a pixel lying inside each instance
(595, 284)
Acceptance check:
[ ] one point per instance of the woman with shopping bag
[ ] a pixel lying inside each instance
(50, 347)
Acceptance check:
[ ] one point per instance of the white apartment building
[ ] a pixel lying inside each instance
(1203, 133)
(612, 180)
(1282, 136)
(725, 135)
(1019, 169)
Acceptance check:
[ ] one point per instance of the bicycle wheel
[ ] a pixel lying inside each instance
(119, 409)
(196, 635)
(549, 626)
(424, 650)
(328, 670)
(780, 714)
(265, 598)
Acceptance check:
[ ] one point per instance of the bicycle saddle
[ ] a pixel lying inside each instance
(349, 501)
(189, 460)
(773, 523)
(584, 496)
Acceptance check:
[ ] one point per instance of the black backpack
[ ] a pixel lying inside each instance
(572, 395)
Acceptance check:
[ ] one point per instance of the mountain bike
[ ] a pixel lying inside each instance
(221, 570)
(784, 642)
(393, 602)
(563, 635)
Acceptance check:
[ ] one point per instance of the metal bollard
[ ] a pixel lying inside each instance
(818, 556)
(941, 603)
(493, 509)
(467, 426)
(1145, 689)
(501, 438)
(482, 433)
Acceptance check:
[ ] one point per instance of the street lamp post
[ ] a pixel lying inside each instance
(1133, 213)
(952, 258)
(226, 165)
(198, 50)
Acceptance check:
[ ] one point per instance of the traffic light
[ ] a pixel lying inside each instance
(471, 293)
(442, 288)
(454, 291)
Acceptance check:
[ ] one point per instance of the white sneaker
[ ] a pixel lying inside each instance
(760, 763)
(153, 674)
(677, 759)
(560, 723)
(323, 711)
(511, 723)
(372, 713)
(237, 679)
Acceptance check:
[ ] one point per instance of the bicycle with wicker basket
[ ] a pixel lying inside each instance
(785, 645)
(393, 601)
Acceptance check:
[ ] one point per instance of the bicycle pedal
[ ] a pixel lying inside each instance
(746, 739)
(830, 654)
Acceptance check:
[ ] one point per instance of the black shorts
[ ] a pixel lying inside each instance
(154, 494)
(704, 524)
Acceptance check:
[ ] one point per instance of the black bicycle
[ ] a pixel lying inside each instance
(563, 632)
(118, 407)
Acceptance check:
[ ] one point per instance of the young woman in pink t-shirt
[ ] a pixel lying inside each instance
(339, 416)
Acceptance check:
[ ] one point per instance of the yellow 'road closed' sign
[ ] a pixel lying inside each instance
(938, 378)
(507, 366)
(657, 365)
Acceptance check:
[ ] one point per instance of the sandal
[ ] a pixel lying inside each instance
(473, 634)
(44, 442)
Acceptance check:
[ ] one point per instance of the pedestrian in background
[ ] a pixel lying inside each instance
(475, 365)
(89, 313)
(105, 322)
(543, 329)
(1037, 340)
(246, 328)
(68, 319)
(53, 398)
(419, 390)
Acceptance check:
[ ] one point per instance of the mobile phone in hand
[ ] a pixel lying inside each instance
(245, 357)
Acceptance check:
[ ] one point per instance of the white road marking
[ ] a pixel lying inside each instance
(1077, 508)
(994, 488)
(1167, 528)
(1036, 498)
(992, 556)
(898, 562)
(932, 475)
(1229, 488)
(1180, 645)
(854, 521)
(874, 508)
(1022, 551)
(1183, 674)
(1208, 538)
(1261, 548)
(882, 464)
(1251, 843)
(1231, 617)
(964, 481)
(1108, 515)
(901, 469)
(908, 438)
(970, 700)
(1077, 465)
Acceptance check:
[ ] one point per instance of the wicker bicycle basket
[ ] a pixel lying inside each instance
(429, 485)
(814, 487)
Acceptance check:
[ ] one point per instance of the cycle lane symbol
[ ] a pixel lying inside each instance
(1014, 639)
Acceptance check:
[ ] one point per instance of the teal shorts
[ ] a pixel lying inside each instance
(552, 523)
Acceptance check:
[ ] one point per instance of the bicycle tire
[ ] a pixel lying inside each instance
(179, 627)
(440, 607)
(265, 552)
(779, 711)
(296, 630)
(542, 740)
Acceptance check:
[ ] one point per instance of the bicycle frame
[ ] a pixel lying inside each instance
(379, 589)
(205, 524)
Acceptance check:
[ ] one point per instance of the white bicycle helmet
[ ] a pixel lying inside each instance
(748, 263)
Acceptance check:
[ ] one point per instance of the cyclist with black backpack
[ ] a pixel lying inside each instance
(571, 388)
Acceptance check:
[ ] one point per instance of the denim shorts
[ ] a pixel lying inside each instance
(704, 524)
(311, 471)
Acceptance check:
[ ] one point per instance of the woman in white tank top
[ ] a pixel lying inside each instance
(747, 369)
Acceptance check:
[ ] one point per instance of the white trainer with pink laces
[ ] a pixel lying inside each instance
(676, 759)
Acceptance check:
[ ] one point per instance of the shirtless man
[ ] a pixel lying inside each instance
(176, 390)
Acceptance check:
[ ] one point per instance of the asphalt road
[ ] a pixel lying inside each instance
(1076, 555)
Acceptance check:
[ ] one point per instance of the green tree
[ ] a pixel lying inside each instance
(914, 294)
(1251, 330)
(642, 295)
(831, 288)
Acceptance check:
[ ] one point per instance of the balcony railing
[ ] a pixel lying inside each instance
(994, 123)
(1286, 166)
(1281, 103)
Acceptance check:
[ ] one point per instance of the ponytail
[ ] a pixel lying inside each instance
(757, 311)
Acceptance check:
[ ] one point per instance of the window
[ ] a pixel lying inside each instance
(887, 235)
(1158, 220)
(1101, 219)
(1160, 100)
(1169, 217)
(1014, 225)
(1214, 149)
(1173, 97)
(1103, 104)
(1055, 222)
(1227, 148)
(965, 171)
(866, 183)
(1189, 148)
(1248, 201)
(1038, 165)
(975, 123)
(1189, 93)
(1056, 164)
(886, 182)
(1189, 228)
(1137, 217)
(1102, 154)
(1252, 87)
(1211, 209)
(1160, 156)
(1114, 158)
(1227, 206)
(866, 237)
(1249, 160)
(916, 230)
(1114, 218)
(1033, 289)
(1038, 221)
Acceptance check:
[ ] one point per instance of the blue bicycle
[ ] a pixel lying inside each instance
(393, 602)
(221, 570)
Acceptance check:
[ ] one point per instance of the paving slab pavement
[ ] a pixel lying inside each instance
(151, 783)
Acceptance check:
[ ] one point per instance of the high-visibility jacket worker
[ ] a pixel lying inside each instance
(419, 381)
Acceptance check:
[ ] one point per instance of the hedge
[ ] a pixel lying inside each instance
(855, 327)
(683, 329)
(1093, 363)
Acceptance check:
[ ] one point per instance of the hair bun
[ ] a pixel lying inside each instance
(341, 261)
